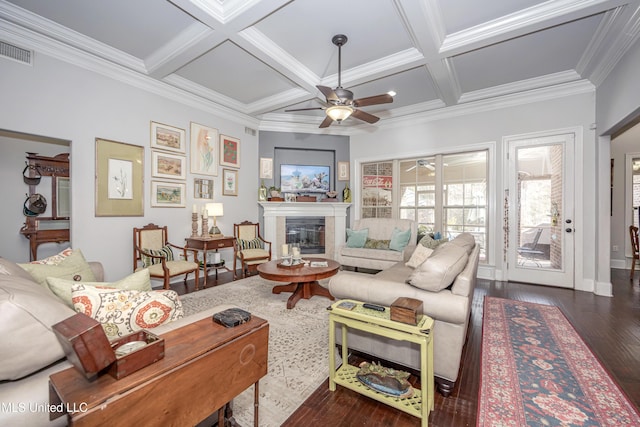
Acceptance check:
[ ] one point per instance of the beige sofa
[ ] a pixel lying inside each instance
(378, 259)
(29, 350)
(450, 307)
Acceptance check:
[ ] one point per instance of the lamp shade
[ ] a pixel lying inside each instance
(339, 112)
(215, 209)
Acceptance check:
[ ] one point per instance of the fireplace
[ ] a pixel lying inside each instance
(308, 232)
(276, 214)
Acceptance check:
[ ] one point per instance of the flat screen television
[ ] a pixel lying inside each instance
(304, 179)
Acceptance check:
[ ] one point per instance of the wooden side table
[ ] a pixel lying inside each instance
(378, 323)
(205, 366)
(206, 244)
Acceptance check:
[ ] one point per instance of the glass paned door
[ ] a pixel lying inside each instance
(541, 211)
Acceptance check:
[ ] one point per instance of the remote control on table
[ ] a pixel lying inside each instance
(373, 307)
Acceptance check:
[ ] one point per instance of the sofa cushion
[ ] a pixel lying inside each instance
(10, 268)
(54, 259)
(138, 281)
(122, 312)
(419, 255)
(440, 269)
(379, 254)
(357, 238)
(465, 240)
(399, 239)
(73, 267)
(27, 311)
(376, 244)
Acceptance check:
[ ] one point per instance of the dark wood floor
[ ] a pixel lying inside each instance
(609, 326)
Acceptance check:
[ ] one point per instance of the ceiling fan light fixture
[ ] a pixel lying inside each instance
(339, 112)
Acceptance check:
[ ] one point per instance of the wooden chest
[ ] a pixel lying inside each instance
(130, 358)
(85, 344)
(406, 310)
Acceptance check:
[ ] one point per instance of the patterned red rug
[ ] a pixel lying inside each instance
(537, 371)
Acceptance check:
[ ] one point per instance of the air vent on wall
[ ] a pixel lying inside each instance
(249, 131)
(16, 53)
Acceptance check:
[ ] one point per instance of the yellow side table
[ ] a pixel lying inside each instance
(376, 322)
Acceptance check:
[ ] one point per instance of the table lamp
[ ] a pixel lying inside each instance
(215, 210)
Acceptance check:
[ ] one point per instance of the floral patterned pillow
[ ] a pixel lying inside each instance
(376, 244)
(122, 312)
(54, 259)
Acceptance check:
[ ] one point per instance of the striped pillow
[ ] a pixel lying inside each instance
(166, 252)
(250, 244)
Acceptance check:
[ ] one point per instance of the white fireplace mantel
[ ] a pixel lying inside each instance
(275, 210)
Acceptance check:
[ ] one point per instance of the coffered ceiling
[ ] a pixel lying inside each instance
(257, 58)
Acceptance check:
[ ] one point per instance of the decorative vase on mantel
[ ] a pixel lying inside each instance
(346, 194)
(262, 192)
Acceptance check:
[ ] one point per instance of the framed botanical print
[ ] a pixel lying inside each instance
(266, 168)
(119, 179)
(167, 165)
(204, 150)
(229, 182)
(343, 171)
(229, 151)
(167, 194)
(168, 138)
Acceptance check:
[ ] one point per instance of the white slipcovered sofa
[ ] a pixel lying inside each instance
(29, 349)
(444, 283)
(378, 259)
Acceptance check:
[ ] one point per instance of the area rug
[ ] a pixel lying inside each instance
(537, 371)
(298, 345)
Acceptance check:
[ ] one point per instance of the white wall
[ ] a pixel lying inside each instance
(13, 245)
(56, 99)
(490, 127)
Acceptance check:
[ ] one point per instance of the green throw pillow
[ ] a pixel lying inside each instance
(357, 238)
(139, 281)
(376, 244)
(74, 267)
(399, 239)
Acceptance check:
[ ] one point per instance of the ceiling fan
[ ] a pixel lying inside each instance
(339, 101)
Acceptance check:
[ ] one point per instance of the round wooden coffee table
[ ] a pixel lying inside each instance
(303, 280)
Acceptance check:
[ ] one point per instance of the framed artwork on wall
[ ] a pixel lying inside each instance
(229, 182)
(229, 151)
(119, 179)
(167, 194)
(167, 165)
(204, 150)
(343, 171)
(168, 138)
(203, 188)
(266, 168)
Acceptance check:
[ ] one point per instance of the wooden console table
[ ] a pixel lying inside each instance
(206, 244)
(205, 366)
(379, 323)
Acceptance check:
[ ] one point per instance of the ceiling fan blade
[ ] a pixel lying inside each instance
(326, 122)
(304, 109)
(328, 93)
(369, 118)
(373, 100)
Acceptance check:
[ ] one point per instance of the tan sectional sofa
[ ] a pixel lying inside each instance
(447, 298)
(378, 259)
(29, 350)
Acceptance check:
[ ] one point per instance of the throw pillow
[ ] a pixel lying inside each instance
(148, 261)
(376, 244)
(139, 281)
(429, 242)
(357, 238)
(465, 240)
(399, 239)
(55, 259)
(74, 267)
(250, 244)
(122, 312)
(420, 255)
(440, 269)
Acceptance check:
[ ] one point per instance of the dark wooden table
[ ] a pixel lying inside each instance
(303, 280)
(206, 244)
(205, 366)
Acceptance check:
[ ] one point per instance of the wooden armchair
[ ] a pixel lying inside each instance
(633, 233)
(152, 250)
(249, 247)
